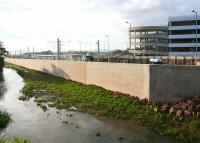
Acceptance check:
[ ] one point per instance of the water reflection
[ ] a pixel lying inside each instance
(2, 86)
(63, 126)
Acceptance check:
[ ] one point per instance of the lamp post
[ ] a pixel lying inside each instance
(28, 53)
(196, 33)
(107, 36)
(129, 35)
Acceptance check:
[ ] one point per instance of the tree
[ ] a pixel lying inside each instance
(3, 51)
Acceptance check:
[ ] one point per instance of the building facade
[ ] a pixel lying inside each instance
(149, 40)
(180, 38)
(184, 36)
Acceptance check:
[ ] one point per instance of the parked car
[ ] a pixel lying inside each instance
(87, 58)
(155, 61)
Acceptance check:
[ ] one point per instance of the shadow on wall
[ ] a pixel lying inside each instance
(56, 71)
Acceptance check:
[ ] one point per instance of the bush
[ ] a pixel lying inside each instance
(4, 119)
(13, 140)
(1, 64)
(195, 126)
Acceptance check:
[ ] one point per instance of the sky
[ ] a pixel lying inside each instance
(28, 24)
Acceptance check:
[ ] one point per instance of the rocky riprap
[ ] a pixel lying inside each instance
(186, 108)
(24, 97)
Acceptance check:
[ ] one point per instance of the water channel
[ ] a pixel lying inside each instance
(54, 126)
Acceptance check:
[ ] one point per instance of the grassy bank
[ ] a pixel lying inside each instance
(63, 94)
(13, 140)
(4, 119)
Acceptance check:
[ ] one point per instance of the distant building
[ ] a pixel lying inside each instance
(182, 36)
(44, 57)
(74, 57)
(176, 39)
(78, 57)
(149, 40)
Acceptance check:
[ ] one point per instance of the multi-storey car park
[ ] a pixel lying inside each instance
(183, 33)
(180, 38)
(149, 40)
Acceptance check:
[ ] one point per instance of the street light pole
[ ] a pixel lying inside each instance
(20, 53)
(98, 50)
(58, 49)
(129, 34)
(196, 34)
(28, 53)
(108, 47)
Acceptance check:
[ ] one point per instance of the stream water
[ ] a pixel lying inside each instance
(54, 126)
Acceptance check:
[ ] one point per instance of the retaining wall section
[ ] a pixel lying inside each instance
(126, 78)
(132, 79)
(167, 83)
(174, 83)
(68, 70)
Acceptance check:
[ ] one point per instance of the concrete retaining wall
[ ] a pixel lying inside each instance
(126, 78)
(154, 82)
(132, 79)
(68, 70)
(174, 83)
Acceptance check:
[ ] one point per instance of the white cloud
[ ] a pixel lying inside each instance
(30, 23)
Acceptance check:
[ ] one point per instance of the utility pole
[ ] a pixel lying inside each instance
(58, 49)
(33, 53)
(129, 34)
(196, 13)
(108, 47)
(58, 45)
(20, 53)
(98, 50)
(28, 53)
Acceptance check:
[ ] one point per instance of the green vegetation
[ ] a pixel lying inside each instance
(3, 52)
(13, 140)
(4, 119)
(98, 134)
(1, 64)
(63, 94)
(120, 138)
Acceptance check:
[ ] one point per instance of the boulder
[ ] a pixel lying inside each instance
(23, 98)
(198, 107)
(155, 109)
(186, 113)
(179, 113)
(189, 101)
(172, 110)
(177, 106)
(165, 107)
(198, 114)
(184, 106)
(73, 108)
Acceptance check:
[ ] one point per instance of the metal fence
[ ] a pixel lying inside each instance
(172, 60)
